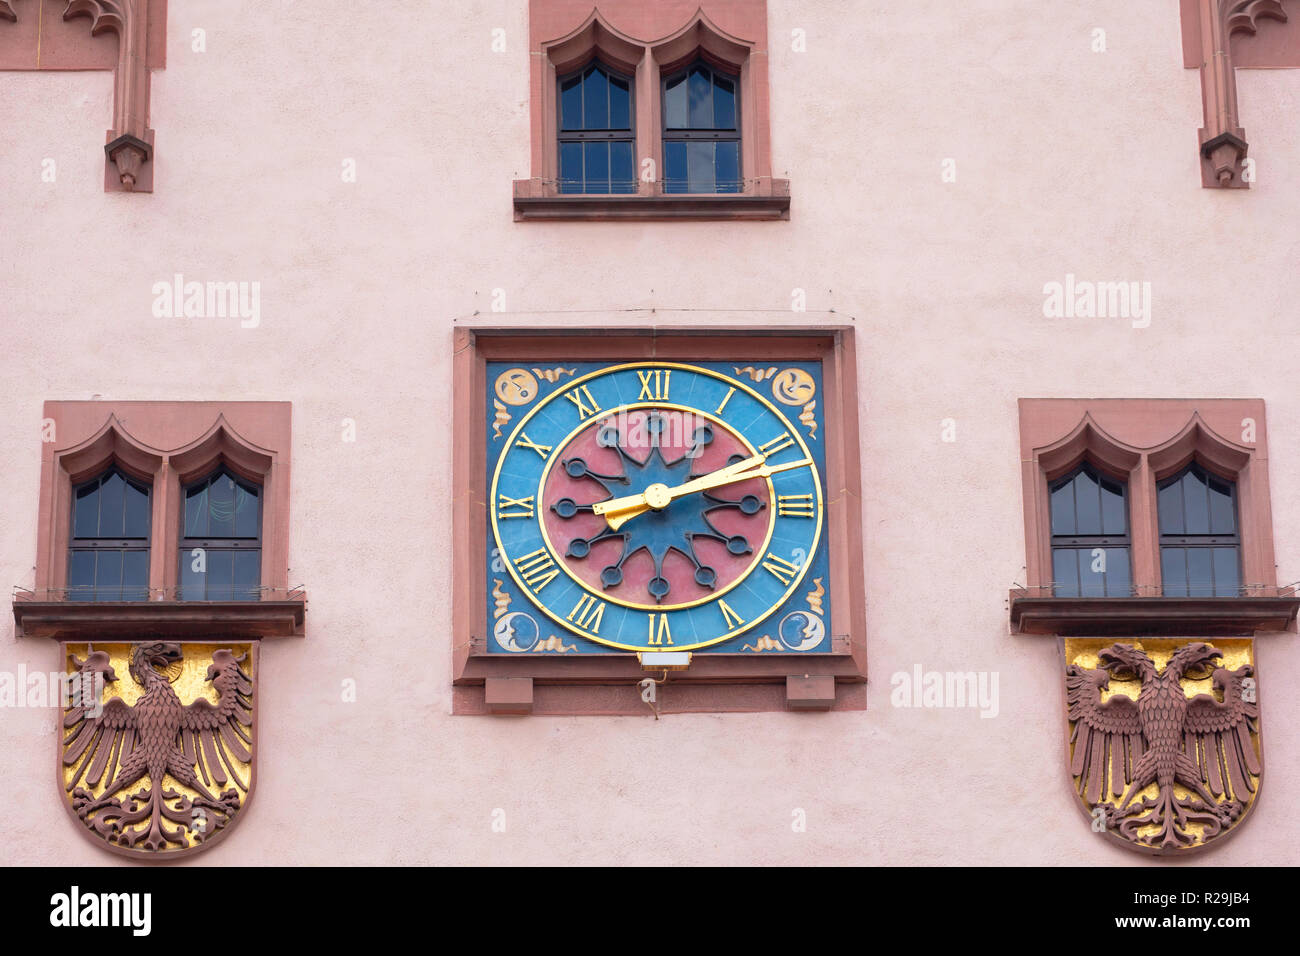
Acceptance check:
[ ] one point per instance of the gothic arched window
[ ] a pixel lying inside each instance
(108, 550)
(1090, 535)
(221, 538)
(596, 132)
(701, 131)
(1200, 545)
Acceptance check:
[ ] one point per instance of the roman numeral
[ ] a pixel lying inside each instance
(781, 568)
(587, 613)
(577, 395)
(733, 619)
(523, 507)
(538, 569)
(663, 636)
(654, 384)
(778, 444)
(723, 404)
(525, 442)
(794, 506)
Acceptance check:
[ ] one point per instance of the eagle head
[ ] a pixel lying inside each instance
(1127, 662)
(1194, 660)
(154, 656)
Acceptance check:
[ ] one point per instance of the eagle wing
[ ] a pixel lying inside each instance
(215, 738)
(100, 742)
(1106, 735)
(1217, 735)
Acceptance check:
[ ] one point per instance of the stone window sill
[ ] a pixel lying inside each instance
(771, 205)
(101, 620)
(1152, 616)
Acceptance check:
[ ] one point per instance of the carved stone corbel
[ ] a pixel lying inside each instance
(1223, 141)
(129, 149)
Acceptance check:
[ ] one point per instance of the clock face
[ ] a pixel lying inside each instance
(656, 506)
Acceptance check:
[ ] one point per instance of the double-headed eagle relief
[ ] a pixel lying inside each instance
(160, 761)
(1164, 746)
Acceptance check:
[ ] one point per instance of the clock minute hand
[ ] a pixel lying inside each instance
(618, 511)
(719, 478)
(621, 510)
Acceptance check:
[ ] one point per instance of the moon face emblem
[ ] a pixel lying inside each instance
(793, 386)
(516, 632)
(516, 386)
(801, 631)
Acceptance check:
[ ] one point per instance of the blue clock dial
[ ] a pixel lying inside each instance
(656, 506)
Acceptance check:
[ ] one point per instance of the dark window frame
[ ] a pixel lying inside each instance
(118, 543)
(1090, 542)
(1187, 541)
(669, 134)
(610, 135)
(187, 545)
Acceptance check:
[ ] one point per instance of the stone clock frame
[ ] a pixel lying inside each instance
(607, 684)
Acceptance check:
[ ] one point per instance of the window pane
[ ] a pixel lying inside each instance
(595, 100)
(1222, 520)
(724, 103)
(112, 500)
(728, 157)
(135, 576)
(597, 157)
(570, 167)
(1112, 508)
(85, 512)
(221, 581)
(1169, 501)
(1092, 568)
(196, 512)
(1063, 509)
(1196, 504)
(1173, 571)
(620, 104)
(676, 111)
(622, 168)
(191, 580)
(248, 567)
(1119, 582)
(137, 512)
(108, 576)
(81, 576)
(675, 173)
(246, 511)
(699, 168)
(1227, 580)
(571, 103)
(1065, 572)
(1087, 501)
(221, 507)
(701, 93)
(1200, 572)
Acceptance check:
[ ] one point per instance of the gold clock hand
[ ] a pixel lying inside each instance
(640, 504)
(619, 511)
(718, 479)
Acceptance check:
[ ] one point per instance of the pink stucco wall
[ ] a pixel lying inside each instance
(1068, 161)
